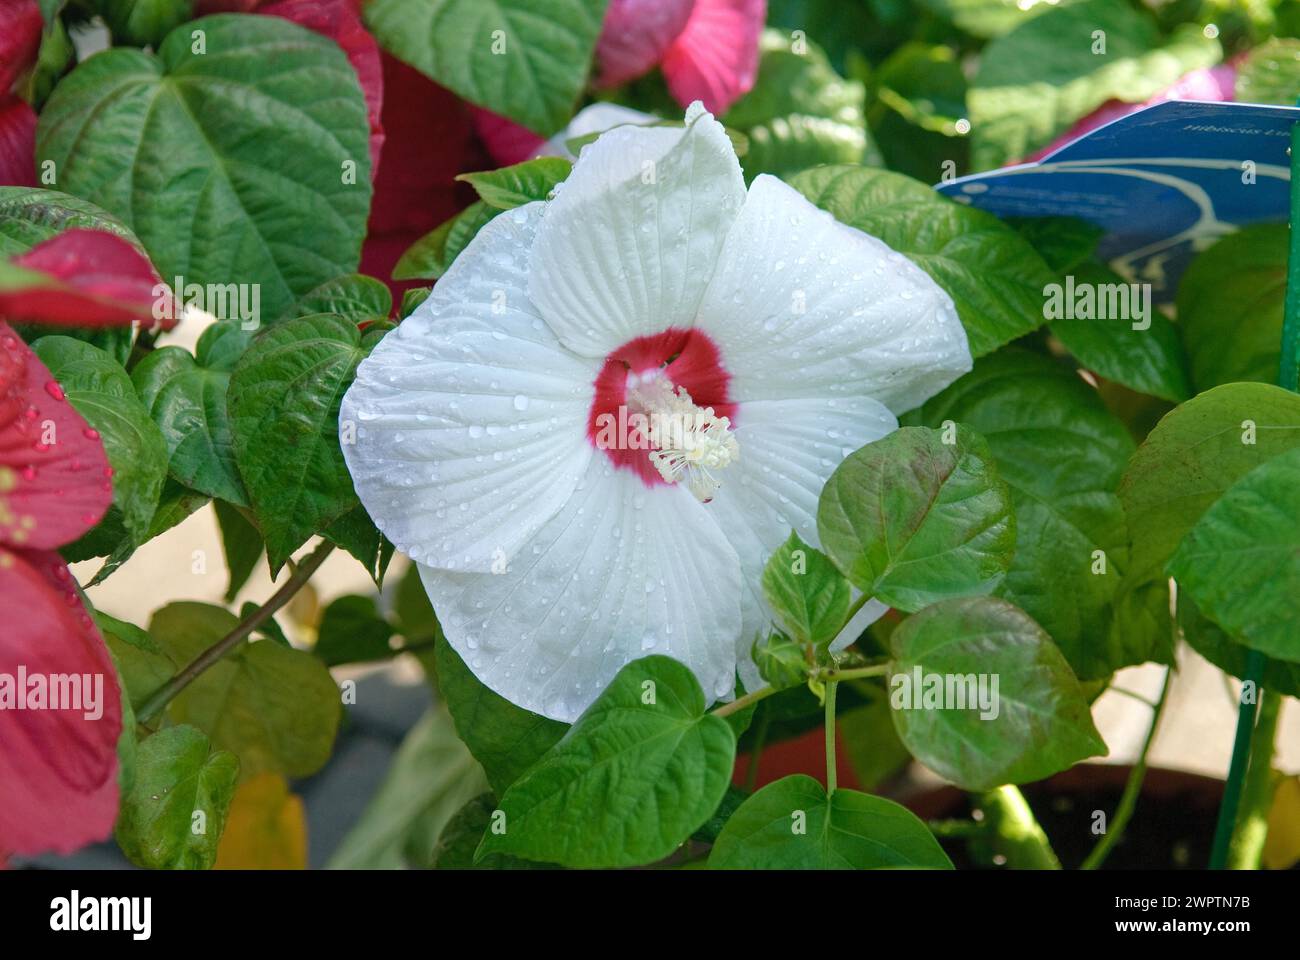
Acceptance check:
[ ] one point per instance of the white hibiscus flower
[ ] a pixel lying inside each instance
(498, 442)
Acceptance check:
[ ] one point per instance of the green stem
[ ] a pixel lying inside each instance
(1014, 831)
(756, 752)
(830, 737)
(165, 694)
(1257, 796)
(1132, 788)
(832, 676)
(1254, 672)
(1289, 362)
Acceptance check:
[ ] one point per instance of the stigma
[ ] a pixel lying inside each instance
(689, 444)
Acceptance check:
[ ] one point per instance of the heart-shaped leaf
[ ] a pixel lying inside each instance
(181, 783)
(274, 707)
(1241, 561)
(1061, 452)
(983, 697)
(524, 59)
(638, 773)
(239, 154)
(807, 593)
(912, 519)
(793, 825)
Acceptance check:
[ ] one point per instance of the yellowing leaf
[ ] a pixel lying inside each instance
(265, 829)
(1282, 848)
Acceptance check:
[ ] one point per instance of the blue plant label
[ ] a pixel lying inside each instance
(1164, 182)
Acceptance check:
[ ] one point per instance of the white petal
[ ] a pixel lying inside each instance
(804, 306)
(628, 244)
(623, 571)
(788, 450)
(470, 416)
(596, 118)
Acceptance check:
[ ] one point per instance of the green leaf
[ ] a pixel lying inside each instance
(793, 825)
(275, 708)
(731, 801)
(430, 779)
(356, 533)
(143, 23)
(29, 217)
(781, 661)
(800, 112)
(987, 18)
(1241, 561)
(924, 84)
(507, 740)
(461, 836)
(640, 771)
(1239, 283)
(1061, 452)
(807, 593)
(176, 504)
(431, 256)
(144, 665)
(352, 631)
(1034, 722)
(175, 812)
(1206, 638)
(1193, 456)
(355, 297)
(247, 163)
(101, 391)
(1063, 242)
(993, 275)
(522, 183)
(1270, 73)
(524, 59)
(1148, 360)
(411, 607)
(284, 410)
(1035, 82)
(242, 545)
(412, 298)
(912, 519)
(188, 402)
(870, 741)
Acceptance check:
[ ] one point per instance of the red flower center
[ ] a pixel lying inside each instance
(688, 359)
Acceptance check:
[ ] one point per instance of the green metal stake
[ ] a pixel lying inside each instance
(1287, 369)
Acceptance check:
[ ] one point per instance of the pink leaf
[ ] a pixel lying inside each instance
(20, 39)
(84, 278)
(58, 768)
(507, 141)
(54, 475)
(17, 143)
(636, 35)
(716, 57)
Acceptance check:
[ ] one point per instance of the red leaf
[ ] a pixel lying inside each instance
(54, 474)
(95, 279)
(21, 24)
(17, 143)
(58, 768)
(508, 142)
(428, 140)
(338, 20)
